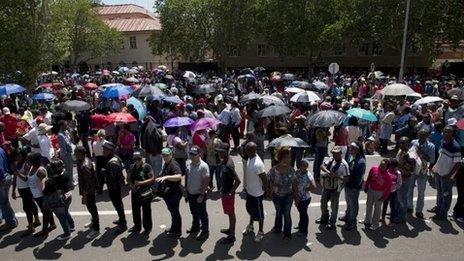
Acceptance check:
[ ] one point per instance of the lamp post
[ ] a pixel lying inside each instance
(405, 36)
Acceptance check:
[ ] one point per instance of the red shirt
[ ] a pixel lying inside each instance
(10, 122)
(341, 137)
(198, 140)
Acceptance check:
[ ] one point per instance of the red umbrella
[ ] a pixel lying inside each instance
(460, 124)
(120, 117)
(90, 86)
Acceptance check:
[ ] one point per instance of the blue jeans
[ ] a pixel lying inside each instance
(283, 205)
(421, 181)
(66, 221)
(156, 163)
(402, 194)
(333, 196)
(444, 195)
(352, 206)
(7, 212)
(320, 153)
(199, 213)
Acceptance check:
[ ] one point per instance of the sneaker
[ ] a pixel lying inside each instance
(64, 237)
(227, 240)
(173, 234)
(432, 210)
(259, 237)
(88, 225)
(301, 234)
(93, 234)
(321, 221)
(225, 231)
(134, 230)
(343, 219)
(73, 229)
(249, 229)
(419, 215)
(203, 235)
(51, 228)
(120, 229)
(7, 226)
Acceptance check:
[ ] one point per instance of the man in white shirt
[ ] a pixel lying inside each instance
(46, 149)
(223, 127)
(256, 186)
(32, 137)
(236, 118)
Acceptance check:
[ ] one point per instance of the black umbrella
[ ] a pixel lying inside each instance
(288, 141)
(326, 119)
(76, 105)
(205, 88)
(273, 110)
(249, 97)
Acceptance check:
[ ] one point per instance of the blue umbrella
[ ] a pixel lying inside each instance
(172, 99)
(116, 92)
(139, 107)
(43, 96)
(11, 88)
(362, 114)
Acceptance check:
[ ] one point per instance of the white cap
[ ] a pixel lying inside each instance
(6, 111)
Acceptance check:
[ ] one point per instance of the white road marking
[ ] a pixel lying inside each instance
(129, 212)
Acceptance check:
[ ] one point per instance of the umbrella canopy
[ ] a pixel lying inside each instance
(205, 88)
(178, 122)
(244, 77)
(75, 105)
(120, 117)
(301, 84)
(249, 97)
(273, 110)
(133, 71)
(189, 74)
(162, 67)
(106, 72)
(326, 119)
(132, 80)
(294, 90)
(139, 107)
(288, 141)
(458, 92)
(270, 99)
(161, 86)
(305, 97)
(90, 86)
(172, 99)
(43, 96)
(378, 74)
(123, 69)
(112, 85)
(169, 77)
(8, 89)
(320, 85)
(460, 124)
(288, 77)
(428, 99)
(204, 124)
(115, 72)
(397, 89)
(150, 90)
(362, 114)
(116, 92)
(413, 95)
(246, 71)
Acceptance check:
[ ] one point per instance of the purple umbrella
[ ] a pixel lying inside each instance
(178, 121)
(204, 123)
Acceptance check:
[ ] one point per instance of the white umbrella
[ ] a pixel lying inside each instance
(397, 89)
(428, 99)
(115, 72)
(133, 71)
(320, 85)
(378, 74)
(269, 99)
(294, 90)
(189, 74)
(305, 97)
(162, 67)
(414, 95)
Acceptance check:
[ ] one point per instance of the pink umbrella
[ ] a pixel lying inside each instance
(204, 123)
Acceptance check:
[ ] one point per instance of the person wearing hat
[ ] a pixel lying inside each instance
(114, 181)
(334, 173)
(140, 177)
(45, 144)
(197, 180)
(169, 181)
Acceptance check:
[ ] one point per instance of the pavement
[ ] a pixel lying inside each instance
(418, 239)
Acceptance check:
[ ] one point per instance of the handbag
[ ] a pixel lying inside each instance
(145, 193)
(159, 189)
(54, 200)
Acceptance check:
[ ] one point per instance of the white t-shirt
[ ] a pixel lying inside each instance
(46, 148)
(33, 137)
(254, 185)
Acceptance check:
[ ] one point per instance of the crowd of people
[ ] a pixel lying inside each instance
(181, 143)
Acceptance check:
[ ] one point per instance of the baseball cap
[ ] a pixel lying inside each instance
(6, 111)
(109, 146)
(137, 155)
(194, 150)
(336, 149)
(166, 151)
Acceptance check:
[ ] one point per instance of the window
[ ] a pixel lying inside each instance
(377, 48)
(233, 51)
(340, 50)
(363, 49)
(263, 50)
(133, 42)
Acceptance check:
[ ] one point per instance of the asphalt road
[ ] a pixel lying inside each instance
(417, 240)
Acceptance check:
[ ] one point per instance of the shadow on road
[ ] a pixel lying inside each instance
(221, 252)
(163, 245)
(79, 241)
(134, 240)
(48, 251)
(106, 240)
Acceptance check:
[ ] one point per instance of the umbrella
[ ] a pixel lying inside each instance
(246, 71)
(189, 74)
(123, 69)
(120, 117)
(43, 96)
(412, 95)
(249, 97)
(320, 85)
(244, 77)
(169, 77)
(178, 122)
(378, 74)
(162, 67)
(76, 105)
(139, 107)
(149, 90)
(458, 92)
(301, 84)
(112, 85)
(305, 97)
(75, 75)
(362, 114)
(8, 89)
(288, 77)
(397, 89)
(326, 119)
(161, 86)
(49, 85)
(90, 86)
(273, 110)
(270, 99)
(259, 70)
(133, 71)
(460, 124)
(132, 80)
(204, 124)
(428, 99)
(75, 87)
(172, 99)
(115, 72)
(288, 141)
(117, 91)
(204, 89)
(294, 90)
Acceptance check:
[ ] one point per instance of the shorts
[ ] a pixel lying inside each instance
(228, 204)
(254, 207)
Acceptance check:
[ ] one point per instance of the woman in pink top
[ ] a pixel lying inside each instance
(126, 142)
(378, 187)
(395, 175)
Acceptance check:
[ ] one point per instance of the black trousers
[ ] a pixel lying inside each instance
(236, 135)
(29, 207)
(304, 217)
(172, 201)
(92, 208)
(143, 206)
(100, 163)
(47, 219)
(116, 199)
